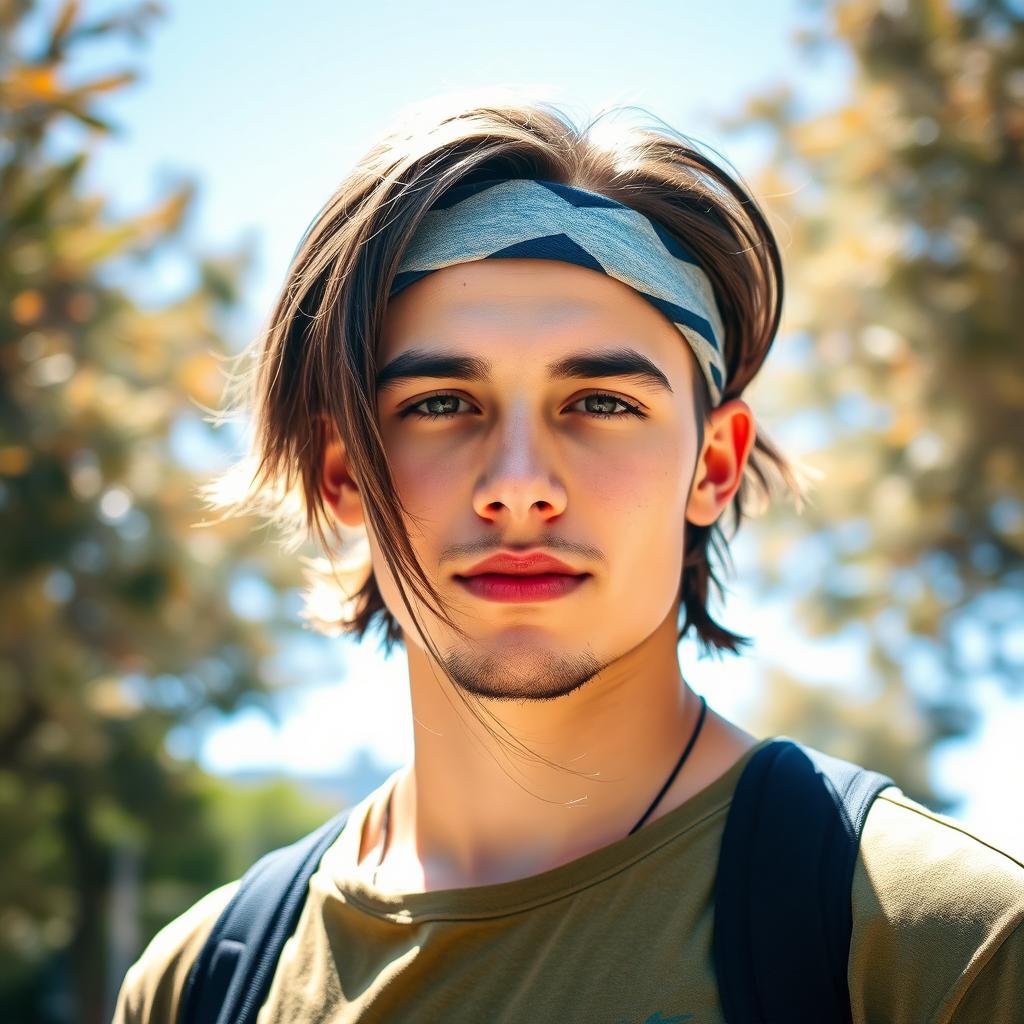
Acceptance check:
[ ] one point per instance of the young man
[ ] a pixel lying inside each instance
(516, 356)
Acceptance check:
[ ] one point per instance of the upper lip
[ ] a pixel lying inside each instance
(521, 565)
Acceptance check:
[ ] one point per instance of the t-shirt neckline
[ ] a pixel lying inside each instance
(502, 898)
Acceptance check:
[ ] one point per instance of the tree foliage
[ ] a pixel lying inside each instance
(902, 214)
(114, 623)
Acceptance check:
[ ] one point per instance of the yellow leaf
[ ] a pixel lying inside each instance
(108, 83)
(14, 460)
(200, 376)
(27, 306)
(65, 19)
(31, 84)
(903, 428)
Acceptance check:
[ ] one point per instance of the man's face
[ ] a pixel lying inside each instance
(523, 461)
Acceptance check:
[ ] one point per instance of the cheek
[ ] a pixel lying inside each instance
(428, 490)
(623, 483)
(389, 591)
(640, 509)
(642, 482)
(430, 483)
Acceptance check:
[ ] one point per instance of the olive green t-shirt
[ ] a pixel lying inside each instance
(624, 933)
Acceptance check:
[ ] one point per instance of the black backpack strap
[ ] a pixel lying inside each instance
(231, 977)
(783, 914)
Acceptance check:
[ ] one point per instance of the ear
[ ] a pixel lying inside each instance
(337, 484)
(728, 440)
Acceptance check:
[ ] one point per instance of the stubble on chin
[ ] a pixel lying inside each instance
(521, 672)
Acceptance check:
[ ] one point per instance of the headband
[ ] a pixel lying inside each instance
(524, 218)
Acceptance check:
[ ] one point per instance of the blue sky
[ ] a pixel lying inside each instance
(267, 105)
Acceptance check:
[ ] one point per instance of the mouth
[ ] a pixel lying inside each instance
(519, 588)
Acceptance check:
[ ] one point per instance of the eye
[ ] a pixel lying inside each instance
(443, 400)
(630, 409)
(453, 400)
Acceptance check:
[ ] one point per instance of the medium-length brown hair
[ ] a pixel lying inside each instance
(313, 365)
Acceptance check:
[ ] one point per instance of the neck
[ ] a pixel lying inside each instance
(467, 813)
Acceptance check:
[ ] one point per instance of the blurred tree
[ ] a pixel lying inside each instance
(114, 622)
(902, 217)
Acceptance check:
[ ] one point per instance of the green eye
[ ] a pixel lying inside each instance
(631, 410)
(412, 410)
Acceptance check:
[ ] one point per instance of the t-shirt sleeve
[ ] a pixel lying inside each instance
(151, 989)
(996, 996)
(937, 912)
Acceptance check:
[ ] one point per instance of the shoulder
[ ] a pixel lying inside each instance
(917, 867)
(933, 902)
(152, 987)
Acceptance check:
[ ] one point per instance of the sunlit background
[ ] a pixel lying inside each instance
(170, 719)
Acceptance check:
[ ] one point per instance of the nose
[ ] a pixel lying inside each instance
(520, 476)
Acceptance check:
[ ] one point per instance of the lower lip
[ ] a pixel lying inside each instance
(493, 586)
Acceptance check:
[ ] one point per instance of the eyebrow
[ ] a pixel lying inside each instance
(626, 363)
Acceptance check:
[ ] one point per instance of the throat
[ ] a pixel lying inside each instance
(392, 864)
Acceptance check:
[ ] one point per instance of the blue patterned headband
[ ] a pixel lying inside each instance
(524, 218)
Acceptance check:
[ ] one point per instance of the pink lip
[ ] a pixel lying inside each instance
(519, 589)
(506, 562)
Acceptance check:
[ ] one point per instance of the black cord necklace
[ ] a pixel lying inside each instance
(679, 764)
(385, 825)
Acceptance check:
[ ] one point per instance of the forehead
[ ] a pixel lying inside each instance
(513, 309)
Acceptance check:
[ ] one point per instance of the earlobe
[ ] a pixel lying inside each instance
(337, 484)
(728, 442)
